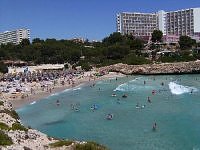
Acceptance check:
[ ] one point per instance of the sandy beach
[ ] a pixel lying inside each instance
(39, 95)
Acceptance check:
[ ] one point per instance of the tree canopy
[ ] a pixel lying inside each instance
(157, 36)
(186, 42)
(112, 49)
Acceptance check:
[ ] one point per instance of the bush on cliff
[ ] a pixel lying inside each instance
(1, 103)
(4, 126)
(90, 146)
(18, 126)
(3, 68)
(60, 143)
(12, 113)
(5, 140)
(132, 59)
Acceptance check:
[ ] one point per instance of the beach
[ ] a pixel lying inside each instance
(38, 94)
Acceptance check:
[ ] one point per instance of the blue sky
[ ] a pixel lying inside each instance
(65, 19)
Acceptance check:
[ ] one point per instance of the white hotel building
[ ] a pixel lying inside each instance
(173, 24)
(15, 36)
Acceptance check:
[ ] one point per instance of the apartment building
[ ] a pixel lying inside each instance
(15, 36)
(173, 24)
(137, 24)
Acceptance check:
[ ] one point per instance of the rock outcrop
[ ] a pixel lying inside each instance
(148, 69)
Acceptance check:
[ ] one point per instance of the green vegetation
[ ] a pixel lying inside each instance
(18, 126)
(157, 36)
(90, 146)
(5, 139)
(4, 126)
(1, 103)
(3, 68)
(132, 59)
(113, 49)
(186, 42)
(61, 143)
(12, 113)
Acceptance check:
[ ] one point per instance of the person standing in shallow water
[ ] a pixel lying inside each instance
(154, 126)
(148, 99)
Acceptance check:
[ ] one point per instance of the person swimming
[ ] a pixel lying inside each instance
(114, 95)
(154, 126)
(58, 102)
(124, 96)
(192, 91)
(148, 99)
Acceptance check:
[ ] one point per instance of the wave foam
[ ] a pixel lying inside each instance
(128, 86)
(180, 89)
(78, 88)
(33, 103)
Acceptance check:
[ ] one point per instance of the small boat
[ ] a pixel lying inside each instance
(109, 116)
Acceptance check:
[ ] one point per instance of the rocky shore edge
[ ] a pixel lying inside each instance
(14, 136)
(155, 69)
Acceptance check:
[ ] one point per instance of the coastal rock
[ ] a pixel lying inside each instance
(148, 69)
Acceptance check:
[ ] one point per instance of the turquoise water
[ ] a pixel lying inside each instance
(173, 107)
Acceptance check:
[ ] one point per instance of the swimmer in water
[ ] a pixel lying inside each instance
(191, 91)
(148, 99)
(57, 102)
(154, 126)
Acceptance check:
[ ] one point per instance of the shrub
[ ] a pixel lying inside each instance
(4, 126)
(1, 102)
(61, 143)
(5, 139)
(12, 113)
(132, 59)
(90, 146)
(86, 67)
(18, 126)
(3, 68)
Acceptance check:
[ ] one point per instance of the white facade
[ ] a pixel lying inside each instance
(162, 21)
(173, 24)
(196, 12)
(137, 24)
(15, 36)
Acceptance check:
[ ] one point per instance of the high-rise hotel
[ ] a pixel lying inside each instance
(15, 36)
(173, 24)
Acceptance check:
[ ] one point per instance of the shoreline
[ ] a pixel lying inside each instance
(19, 103)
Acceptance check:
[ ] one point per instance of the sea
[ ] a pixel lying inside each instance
(172, 102)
